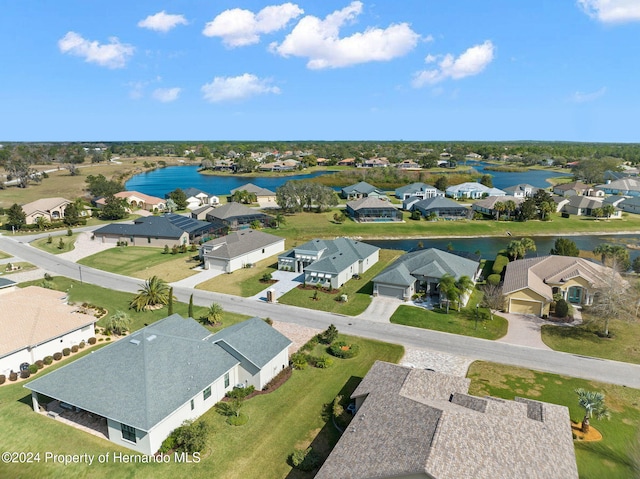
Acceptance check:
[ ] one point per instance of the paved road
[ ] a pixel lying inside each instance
(550, 361)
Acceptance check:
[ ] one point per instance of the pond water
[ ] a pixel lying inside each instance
(489, 247)
(504, 179)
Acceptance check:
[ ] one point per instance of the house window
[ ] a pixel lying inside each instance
(262, 250)
(192, 405)
(149, 239)
(128, 433)
(206, 393)
(226, 380)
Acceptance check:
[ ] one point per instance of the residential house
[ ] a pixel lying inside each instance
(624, 187)
(559, 201)
(52, 209)
(237, 216)
(408, 165)
(422, 271)
(472, 191)
(137, 200)
(202, 212)
(627, 172)
(38, 322)
(281, 165)
(263, 195)
(577, 188)
(162, 375)
(239, 249)
(529, 284)
(372, 209)
(413, 423)
(473, 156)
(197, 198)
(361, 190)
(375, 163)
(329, 262)
(487, 205)
(421, 191)
(347, 162)
(585, 206)
(440, 207)
(521, 190)
(628, 205)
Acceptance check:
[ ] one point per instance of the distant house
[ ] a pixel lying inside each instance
(282, 165)
(38, 322)
(522, 190)
(347, 162)
(162, 375)
(577, 188)
(412, 423)
(197, 198)
(422, 271)
(420, 191)
(585, 206)
(202, 212)
(52, 209)
(329, 262)
(628, 205)
(529, 284)
(408, 165)
(487, 205)
(159, 231)
(375, 163)
(440, 207)
(372, 209)
(262, 194)
(137, 200)
(237, 216)
(472, 191)
(624, 187)
(361, 190)
(239, 249)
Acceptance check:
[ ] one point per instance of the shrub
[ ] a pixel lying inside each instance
(562, 308)
(81, 345)
(33, 368)
(279, 379)
(69, 232)
(190, 437)
(494, 279)
(166, 251)
(304, 459)
(48, 360)
(3, 378)
(240, 393)
(13, 376)
(39, 364)
(343, 350)
(74, 348)
(92, 341)
(66, 351)
(500, 264)
(269, 321)
(48, 277)
(299, 360)
(168, 444)
(57, 356)
(239, 420)
(49, 239)
(329, 335)
(322, 362)
(25, 374)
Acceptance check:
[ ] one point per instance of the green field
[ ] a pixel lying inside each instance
(610, 458)
(54, 246)
(243, 282)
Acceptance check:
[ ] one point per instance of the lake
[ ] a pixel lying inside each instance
(504, 179)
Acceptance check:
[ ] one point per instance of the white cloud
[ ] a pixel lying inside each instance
(111, 55)
(319, 40)
(582, 97)
(237, 88)
(612, 11)
(162, 22)
(471, 62)
(166, 95)
(238, 27)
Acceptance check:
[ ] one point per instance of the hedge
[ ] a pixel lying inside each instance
(66, 352)
(500, 264)
(494, 279)
(74, 349)
(33, 368)
(342, 349)
(48, 360)
(57, 356)
(92, 341)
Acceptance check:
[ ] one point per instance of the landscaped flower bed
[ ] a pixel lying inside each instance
(344, 350)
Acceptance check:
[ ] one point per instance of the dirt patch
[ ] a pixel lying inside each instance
(592, 436)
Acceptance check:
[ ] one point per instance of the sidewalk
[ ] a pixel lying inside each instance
(286, 282)
(195, 279)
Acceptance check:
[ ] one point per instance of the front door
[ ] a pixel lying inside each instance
(575, 295)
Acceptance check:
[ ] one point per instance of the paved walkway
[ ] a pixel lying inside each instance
(286, 282)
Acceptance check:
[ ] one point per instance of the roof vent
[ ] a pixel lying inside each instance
(134, 341)
(152, 337)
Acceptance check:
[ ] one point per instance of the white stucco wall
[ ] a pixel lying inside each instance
(369, 261)
(273, 367)
(239, 262)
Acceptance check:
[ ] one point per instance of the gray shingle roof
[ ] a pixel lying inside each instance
(339, 254)
(413, 188)
(194, 191)
(239, 243)
(232, 210)
(363, 188)
(417, 423)
(370, 202)
(251, 188)
(5, 283)
(153, 226)
(437, 202)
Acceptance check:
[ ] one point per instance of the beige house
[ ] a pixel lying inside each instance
(40, 324)
(137, 200)
(50, 208)
(529, 284)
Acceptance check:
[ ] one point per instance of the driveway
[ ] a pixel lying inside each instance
(286, 282)
(195, 279)
(524, 330)
(381, 309)
(85, 246)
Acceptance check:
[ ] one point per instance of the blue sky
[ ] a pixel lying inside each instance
(79, 70)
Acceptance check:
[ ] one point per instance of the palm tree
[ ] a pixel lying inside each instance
(510, 207)
(499, 208)
(528, 244)
(280, 219)
(42, 222)
(464, 284)
(214, 313)
(449, 289)
(153, 292)
(515, 250)
(604, 250)
(608, 210)
(593, 403)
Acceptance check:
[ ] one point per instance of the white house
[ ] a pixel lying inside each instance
(162, 375)
(197, 198)
(37, 323)
(473, 191)
(238, 249)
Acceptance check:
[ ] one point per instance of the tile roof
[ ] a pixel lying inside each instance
(36, 316)
(416, 422)
(150, 200)
(44, 204)
(623, 184)
(251, 188)
(239, 243)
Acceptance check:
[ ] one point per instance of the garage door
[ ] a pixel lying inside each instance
(525, 307)
(217, 264)
(390, 291)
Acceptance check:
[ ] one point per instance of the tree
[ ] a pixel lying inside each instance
(153, 292)
(191, 306)
(71, 215)
(170, 303)
(449, 289)
(339, 217)
(487, 180)
(636, 265)
(114, 209)
(42, 222)
(191, 437)
(464, 285)
(492, 298)
(510, 207)
(118, 323)
(280, 219)
(329, 335)
(243, 196)
(16, 217)
(441, 183)
(613, 253)
(214, 313)
(517, 249)
(528, 209)
(99, 186)
(565, 247)
(608, 210)
(499, 207)
(597, 212)
(593, 404)
(179, 198)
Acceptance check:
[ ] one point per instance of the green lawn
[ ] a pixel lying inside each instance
(143, 262)
(54, 246)
(624, 346)
(609, 458)
(243, 282)
(24, 266)
(358, 291)
(4, 255)
(463, 322)
(291, 417)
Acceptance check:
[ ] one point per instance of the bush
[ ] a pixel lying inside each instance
(239, 420)
(66, 351)
(33, 368)
(329, 335)
(322, 362)
(304, 459)
(240, 393)
(266, 277)
(57, 356)
(562, 309)
(25, 374)
(168, 444)
(74, 348)
(190, 437)
(299, 361)
(13, 376)
(269, 321)
(48, 360)
(3, 378)
(494, 279)
(343, 350)
(92, 341)
(81, 345)
(39, 364)
(500, 264)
